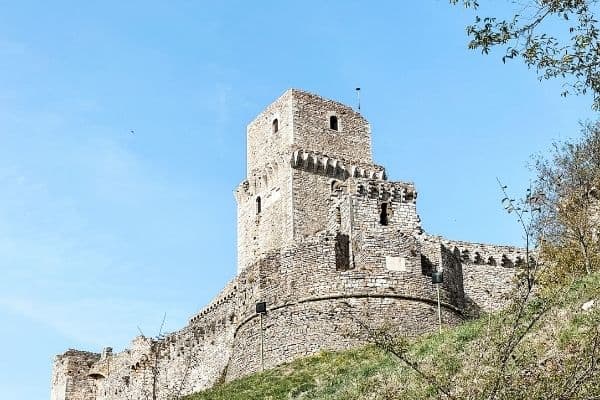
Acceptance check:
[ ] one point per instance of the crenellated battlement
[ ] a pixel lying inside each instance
(479, 253)
(383, 190)
(226, 295)
(487, 254)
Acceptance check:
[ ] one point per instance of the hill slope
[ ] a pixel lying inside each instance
(559, 357)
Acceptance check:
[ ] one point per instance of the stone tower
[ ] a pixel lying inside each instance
(279, 203)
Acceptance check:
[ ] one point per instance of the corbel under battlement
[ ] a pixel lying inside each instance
(318, 163)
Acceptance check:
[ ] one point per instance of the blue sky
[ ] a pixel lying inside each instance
(102, 231)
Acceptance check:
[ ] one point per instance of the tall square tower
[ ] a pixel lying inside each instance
(297, 148)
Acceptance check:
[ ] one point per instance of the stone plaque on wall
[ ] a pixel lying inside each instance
(395, 264)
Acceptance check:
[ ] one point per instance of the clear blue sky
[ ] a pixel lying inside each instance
(102, 231)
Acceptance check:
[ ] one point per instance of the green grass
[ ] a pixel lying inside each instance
(463, 359)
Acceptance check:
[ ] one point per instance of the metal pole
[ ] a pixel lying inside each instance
(350, 235)
(439, 307)
(262, 344)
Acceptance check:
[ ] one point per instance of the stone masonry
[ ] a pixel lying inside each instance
(327, 243)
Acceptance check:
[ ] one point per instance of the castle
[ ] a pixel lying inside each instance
(324, 241)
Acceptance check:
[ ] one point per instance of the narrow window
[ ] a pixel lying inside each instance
(333, 123)
(466, 255)
(342, 252)
(275, 125)
(383, 217)
(478, 259)
(258, 205)
(506, 262)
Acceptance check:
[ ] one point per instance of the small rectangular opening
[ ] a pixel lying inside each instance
(342, 252)
(383, 216)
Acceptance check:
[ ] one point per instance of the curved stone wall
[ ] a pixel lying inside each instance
(308, 327)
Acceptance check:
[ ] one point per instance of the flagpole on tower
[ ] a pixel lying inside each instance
(358, 97)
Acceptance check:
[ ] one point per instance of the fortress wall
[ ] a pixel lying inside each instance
(306, 328)
(228, 292)
(70, 379)
(309, 271)
(488, 271)
(196, 358)
(306, 301)
(487, 287)
(352, 140)
(191, 359)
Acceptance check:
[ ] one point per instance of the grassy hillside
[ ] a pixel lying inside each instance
(558, 358)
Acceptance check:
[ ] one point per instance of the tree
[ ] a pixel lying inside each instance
(559, 38)
(568, 192)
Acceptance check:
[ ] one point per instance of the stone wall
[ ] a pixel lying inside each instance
(307, 327)
(180, 363)
(313, 306)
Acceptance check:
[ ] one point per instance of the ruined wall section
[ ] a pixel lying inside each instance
(123, 375)
(70, 376)
(189, 360)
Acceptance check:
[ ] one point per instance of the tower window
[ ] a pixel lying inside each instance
(342, 252)
(333, 123)
(275, 125)
(383, 217)
(258, 205)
